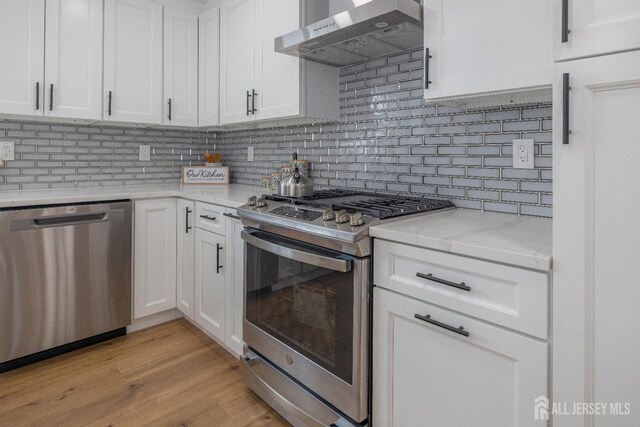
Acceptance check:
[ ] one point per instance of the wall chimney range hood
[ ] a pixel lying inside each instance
(343, 32)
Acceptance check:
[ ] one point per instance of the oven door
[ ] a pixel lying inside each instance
(306, 312)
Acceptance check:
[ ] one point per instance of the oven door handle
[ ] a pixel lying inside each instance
(335, 264)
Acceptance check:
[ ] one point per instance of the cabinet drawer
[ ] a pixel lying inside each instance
(424, 371)
(210, 217)
(508, 296)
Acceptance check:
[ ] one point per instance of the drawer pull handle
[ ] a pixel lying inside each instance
(231, 215)
(431, 277)
(218, 266)
(210, 218)
(459, 330)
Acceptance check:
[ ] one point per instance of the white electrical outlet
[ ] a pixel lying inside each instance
(523, 153)
(250, 154)
(7, 150)
(144, 153)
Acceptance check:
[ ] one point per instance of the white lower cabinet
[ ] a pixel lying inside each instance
(210, 282)
(155, 257)
(186, 260)
(235, 283)
(427, 375)
(196, 266)
(457, 341)
(596, 242)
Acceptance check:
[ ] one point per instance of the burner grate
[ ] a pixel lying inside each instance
(373, 204)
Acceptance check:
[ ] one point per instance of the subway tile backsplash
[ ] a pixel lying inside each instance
(387, 139)
(50, 155)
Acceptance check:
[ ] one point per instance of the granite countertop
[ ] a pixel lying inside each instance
(230, 195)
(523, 241)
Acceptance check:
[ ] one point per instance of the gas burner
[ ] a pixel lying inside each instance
(375, 205)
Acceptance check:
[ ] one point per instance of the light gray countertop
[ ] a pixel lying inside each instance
(230, 195)
(523, 241)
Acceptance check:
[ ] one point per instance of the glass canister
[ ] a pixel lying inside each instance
(275, 182)
(265, 181)
(303, 166)
(286, 171)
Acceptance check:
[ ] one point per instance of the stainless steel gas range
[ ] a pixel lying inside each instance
(307, 300)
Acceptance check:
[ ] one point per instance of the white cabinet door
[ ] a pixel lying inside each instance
(73, 86)
(426, 375)
(596, 27)
(235, 284)
(210, 283)
(180, 67)
(482, 47)
(186, 257)
(155, 257)
(277, 75)
(596, 244)
(22, 56)
(209, 111)
(237, 60)
(133, 61)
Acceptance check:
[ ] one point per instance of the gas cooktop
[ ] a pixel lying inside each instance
(376, 205)
(333, 218)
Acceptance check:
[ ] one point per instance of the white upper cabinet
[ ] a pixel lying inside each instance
(258, 84)
(488, 53)
(595, 27)
(209, 90)
(133, 61)
(180, 67)
(22, 57)
(277, 75)
(237, 57)
(73, 77)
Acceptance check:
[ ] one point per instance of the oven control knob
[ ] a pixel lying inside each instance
(328, 214)
(251, 201)
(342, 217)
(356, 219)
(261, 202)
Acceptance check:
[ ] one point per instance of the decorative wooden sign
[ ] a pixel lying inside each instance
(205, 174)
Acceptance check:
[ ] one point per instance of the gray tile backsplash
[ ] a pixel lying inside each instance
(50, 155)
(387, 139)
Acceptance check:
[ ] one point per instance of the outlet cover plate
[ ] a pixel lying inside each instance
(7, 150)
(523, 154)
(144, 153)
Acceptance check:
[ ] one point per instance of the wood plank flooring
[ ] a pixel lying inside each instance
(168, 375)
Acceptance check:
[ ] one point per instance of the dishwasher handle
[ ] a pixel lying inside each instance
(54, 221)
(37, 223)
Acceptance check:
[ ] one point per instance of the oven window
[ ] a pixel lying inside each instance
(306, 307)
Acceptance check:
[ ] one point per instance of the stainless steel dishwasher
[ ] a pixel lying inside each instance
(65, 278)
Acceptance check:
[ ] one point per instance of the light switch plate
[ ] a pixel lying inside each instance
(250, 154)
(523, 153)
(7, 150)
(144, 153)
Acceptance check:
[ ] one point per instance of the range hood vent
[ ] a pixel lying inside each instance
(364, 29)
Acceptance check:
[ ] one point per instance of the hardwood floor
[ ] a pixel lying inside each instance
(168, 375)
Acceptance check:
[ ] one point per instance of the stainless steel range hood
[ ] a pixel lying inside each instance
(350, 31)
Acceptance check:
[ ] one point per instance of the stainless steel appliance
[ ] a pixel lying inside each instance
(296, 184)
(307, 300)
(65, 276)
(342, 32)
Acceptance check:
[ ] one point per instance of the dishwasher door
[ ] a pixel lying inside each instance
(65, 275)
